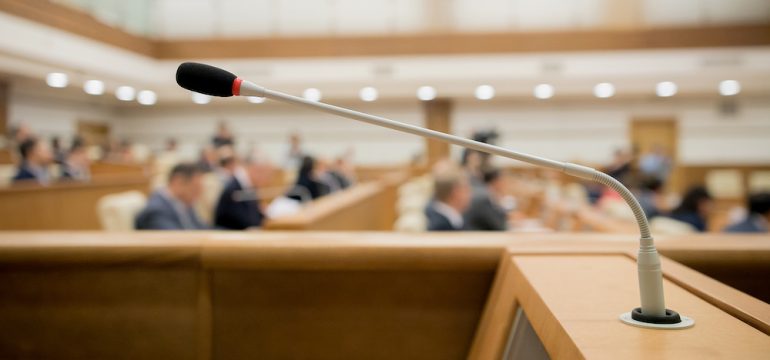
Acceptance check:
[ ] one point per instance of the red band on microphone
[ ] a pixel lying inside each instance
(237, 86)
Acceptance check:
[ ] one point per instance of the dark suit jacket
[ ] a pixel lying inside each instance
(236, 215)
(437, 221)
(159, 214)
(24, 175)
(750, 225)
(484, 214)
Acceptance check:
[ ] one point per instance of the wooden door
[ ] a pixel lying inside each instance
(94, 133)
(648, 133)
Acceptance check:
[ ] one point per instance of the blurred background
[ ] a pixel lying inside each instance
(671, 97)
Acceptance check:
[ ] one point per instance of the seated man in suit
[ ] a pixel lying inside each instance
(758, 219)
(239, 207)
(485, 212)
(171, 208)
(76, 165)
(451, 196)
(35, 158)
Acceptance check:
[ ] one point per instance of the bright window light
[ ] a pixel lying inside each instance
(368, 94)
(604, 90)
(147, 97)
(57, 80)
(426, 93)
(255, 99)
(543, 91)
(93, 87)
(729, 88)
(200, 99)
(485, 92)
(666, 89)
(125, 93)
(312, 94)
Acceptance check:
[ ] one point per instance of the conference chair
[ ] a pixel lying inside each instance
(117, 211)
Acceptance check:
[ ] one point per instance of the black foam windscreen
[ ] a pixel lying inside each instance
(205, 79)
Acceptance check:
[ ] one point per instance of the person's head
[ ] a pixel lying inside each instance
(222, 128)
(759, 204)
(295, 140)
(652, 184)
(227, 158)
(56, 143)
(185, 182)
(78, 154)
(451, 186)
(260, 171)
(35, 152)
(697, 200)
(494, 181)
(171, 144)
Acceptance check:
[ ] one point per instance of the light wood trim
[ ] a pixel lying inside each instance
(456, 43)
(76, 22)
(80, 23)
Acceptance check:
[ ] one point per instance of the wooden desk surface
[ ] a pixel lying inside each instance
(573, 303)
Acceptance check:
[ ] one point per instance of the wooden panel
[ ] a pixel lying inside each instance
(61, 206)
(364, 206)
(468, 43)
(111, 169)
(437, 115)
(351, 315)
(586, 326)
(116, 312)
(5, 95)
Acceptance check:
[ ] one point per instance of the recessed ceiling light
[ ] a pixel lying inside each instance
(147, 97)
(312, 94)
(368, 94)
(255, 99)
(666, 89)
(729, 87)
(200, 99)
(57, 80)
(125, 93)
(426, 93)
(543, 91)
(604, 90)
(93, 87)
(485, 92)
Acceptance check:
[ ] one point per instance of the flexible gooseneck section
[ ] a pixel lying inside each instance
(213, 81)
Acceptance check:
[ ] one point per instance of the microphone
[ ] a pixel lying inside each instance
(213, 81)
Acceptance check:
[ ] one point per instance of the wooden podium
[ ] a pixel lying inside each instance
(573, 301)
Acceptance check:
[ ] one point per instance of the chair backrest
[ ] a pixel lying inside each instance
(759, 181)
(117, 211)
(662, 225)
(212, 188)
(725, 184)
(7, 172)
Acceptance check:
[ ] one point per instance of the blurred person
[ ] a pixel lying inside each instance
(223, 136)
(472, 164)
(228, 162)
(656, 163)
(339, 173)
(35, 158)
(239, 207)
(208, 160)
(650, 196)
(451, 197)
(171, 207)
(171, 145)
(758, 218)
(620, 166)
(58, 152)
(76, 165)
(695, 208)
(308, 181)
(485, 211)
(295, 154)
(21, 133)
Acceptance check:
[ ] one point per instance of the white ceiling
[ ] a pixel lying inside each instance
(176, 19)
(36, 50)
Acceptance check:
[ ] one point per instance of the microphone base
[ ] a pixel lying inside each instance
(671, 321)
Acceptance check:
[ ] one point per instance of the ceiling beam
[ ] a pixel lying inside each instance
(80, 23)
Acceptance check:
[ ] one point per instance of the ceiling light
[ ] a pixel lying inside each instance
(426, 93)
(147, 97)
(200, 99)
(485, 92)
(125, 93)
(312, 94)
(368, 94)
(666, 89)
(93, 87)
(729, 87)
(255, 99)
(56, 80)
(604, 90)
(543, 91)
